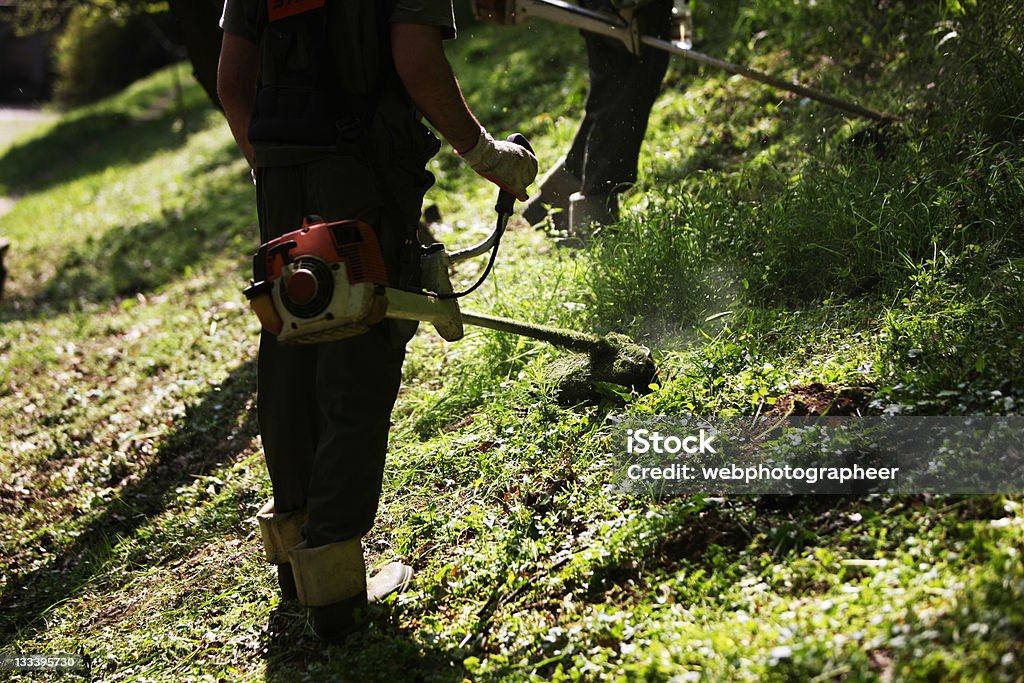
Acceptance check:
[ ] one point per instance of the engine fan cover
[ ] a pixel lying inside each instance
(308, 287)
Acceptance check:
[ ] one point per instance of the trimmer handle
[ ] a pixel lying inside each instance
(506, 200)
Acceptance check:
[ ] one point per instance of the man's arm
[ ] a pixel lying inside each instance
(236, 86)
(427, 75)
(424, 70)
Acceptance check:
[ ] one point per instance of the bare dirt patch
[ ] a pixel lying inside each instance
(820, 399)
(18, 121)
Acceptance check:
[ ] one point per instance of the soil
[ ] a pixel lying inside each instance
(820, 399)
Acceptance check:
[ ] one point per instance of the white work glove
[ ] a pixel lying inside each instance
(506, 164)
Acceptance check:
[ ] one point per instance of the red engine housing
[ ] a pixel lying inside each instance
(319, 282)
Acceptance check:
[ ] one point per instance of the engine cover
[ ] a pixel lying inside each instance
(321, 282)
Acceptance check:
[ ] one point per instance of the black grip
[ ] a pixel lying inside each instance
(507, 200)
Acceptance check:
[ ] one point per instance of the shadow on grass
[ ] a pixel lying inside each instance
(88, 142)
(129, 259)
(215, 431)
(207, 437)
(383, 652)
(75, 147)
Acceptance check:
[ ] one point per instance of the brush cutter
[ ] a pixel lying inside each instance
(327, 281)
(623, 25)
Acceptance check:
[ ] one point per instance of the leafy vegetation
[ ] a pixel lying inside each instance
(771, 245)
(99, 51)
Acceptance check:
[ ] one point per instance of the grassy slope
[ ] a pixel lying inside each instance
(130, 464)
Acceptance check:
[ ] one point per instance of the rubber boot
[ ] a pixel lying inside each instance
(393, 578)
(331, 582)
(552, 197)
(586, 214)
(280, 532)
(587, 210)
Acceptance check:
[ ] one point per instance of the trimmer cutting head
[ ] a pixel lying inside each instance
(616, 359)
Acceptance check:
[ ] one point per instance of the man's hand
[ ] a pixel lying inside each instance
(505, 164)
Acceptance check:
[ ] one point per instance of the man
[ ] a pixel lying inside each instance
(584, 185)
(324, 100)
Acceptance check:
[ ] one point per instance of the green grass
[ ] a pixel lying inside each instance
(771, 244)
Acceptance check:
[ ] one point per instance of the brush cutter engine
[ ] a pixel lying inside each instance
(327, 280)
(321, 282)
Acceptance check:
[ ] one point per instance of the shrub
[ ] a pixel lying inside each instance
(97, 53)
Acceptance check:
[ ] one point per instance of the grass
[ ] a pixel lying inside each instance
(770, 245)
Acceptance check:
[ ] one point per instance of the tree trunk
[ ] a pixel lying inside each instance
(198, 21)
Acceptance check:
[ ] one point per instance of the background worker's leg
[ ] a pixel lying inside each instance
(553, 191)
(623, 87)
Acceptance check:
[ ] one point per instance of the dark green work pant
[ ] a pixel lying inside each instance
(325, 409)
(623, 88)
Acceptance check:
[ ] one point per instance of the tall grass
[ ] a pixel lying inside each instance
(924, 218)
